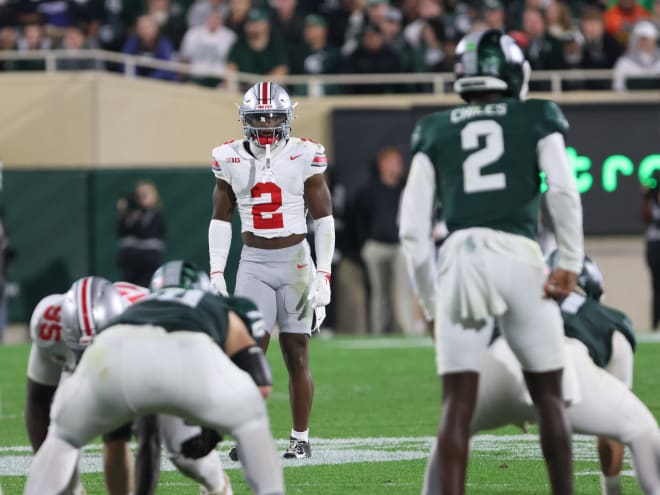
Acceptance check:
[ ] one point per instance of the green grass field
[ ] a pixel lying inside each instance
(375, 412)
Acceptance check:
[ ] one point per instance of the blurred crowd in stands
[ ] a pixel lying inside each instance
(274, 37)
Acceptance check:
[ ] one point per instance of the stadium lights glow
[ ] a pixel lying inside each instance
(612, 167)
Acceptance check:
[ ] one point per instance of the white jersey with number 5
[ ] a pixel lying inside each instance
(270, 202)
(49, 354)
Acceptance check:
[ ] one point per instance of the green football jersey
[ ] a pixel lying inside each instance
(485, 161)
(593, 324)
(192, 310)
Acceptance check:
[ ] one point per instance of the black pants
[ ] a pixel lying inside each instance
(138, 265)
(653, 260)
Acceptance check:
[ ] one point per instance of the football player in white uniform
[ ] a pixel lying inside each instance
(187, 374)
(597, 379)
(51, 360)
(272, 178)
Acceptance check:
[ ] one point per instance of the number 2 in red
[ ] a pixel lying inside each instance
(264, 215)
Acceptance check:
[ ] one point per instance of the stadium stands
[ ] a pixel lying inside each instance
(330, 37)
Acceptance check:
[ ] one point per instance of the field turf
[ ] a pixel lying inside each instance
(375, 413)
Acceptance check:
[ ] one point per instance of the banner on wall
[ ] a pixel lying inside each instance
(612, 148)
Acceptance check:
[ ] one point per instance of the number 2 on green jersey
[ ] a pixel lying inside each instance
(473, 180)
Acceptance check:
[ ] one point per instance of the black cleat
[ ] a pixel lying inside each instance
(233, 453)
(298, 449)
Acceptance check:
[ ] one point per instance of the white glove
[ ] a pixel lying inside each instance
(319, 290)
(219, 284)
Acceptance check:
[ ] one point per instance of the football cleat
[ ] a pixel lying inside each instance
(298, 449)
(233, 453)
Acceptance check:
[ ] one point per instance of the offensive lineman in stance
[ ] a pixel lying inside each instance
(272, 178)
(50, 361)
(482, 160)
(599, 343)
(184, 333)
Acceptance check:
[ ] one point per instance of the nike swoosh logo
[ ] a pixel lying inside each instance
(295, 157)
(302, 266)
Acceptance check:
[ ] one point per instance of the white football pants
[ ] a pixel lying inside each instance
(130, 371)
(607, 408)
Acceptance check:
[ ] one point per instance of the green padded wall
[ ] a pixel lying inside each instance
(63, 225)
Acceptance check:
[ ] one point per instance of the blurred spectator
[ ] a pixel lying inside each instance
(515, 11)
(344, 20)
(620, 19)
(543, 51)
(426, 9)
(376, 211)
(430, 56)
(199, 11)
(315, 55)
(238, 12)
(572, 51)
(559, 18)
(373, 13)
(170, 17)
(642, 59)
(258, 52)
(111, 19)
(8, 41)
(494, 15)
(391, 25)
(32, 39)
(206, 48)
(288, 22)
(601, 50)
(147, 41)
(459, 16)
(54, 14)
(74, 40)
(373, 56)
(655, 14)
(651, 219)
(141, 231)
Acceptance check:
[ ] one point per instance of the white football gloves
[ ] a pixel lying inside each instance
(319, 290)
(219, 284)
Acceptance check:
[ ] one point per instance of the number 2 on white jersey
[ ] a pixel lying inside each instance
(266, 215)
(473, 180)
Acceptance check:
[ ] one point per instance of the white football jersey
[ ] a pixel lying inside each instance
(270, 202)
(49, 354)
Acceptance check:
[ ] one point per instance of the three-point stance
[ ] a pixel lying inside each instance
(483, 160)
(273, 178)
(203, 365)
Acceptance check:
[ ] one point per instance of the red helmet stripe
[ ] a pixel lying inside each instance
(264, 93)
(86, 306)
(130, 292)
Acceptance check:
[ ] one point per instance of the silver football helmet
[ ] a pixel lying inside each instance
(88, 306)
(46, 331)
(266, 113)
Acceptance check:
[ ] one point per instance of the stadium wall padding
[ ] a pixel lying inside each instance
(63, 225)
(608, 145)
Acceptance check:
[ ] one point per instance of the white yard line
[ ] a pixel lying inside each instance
(15, 461)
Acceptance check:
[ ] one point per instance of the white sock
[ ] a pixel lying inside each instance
(300, 435)
(610, 485)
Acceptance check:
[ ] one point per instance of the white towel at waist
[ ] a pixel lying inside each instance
(464, 281)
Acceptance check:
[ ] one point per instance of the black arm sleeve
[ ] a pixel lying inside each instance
(253, 360)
